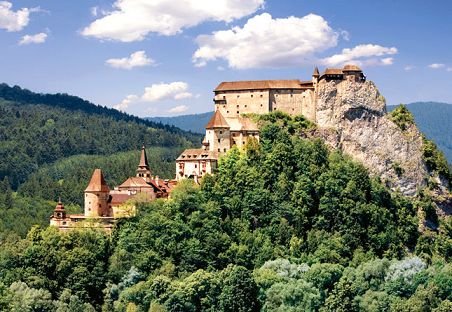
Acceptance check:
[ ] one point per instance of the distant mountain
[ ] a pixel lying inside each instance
(38, 129)
(435, 121)
(194, 123)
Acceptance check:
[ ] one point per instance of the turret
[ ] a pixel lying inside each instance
(143, 170)
(315, 75)
(59, 213)
(218, 134)
(97, 196)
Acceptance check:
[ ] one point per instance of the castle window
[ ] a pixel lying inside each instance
(251, 95)
(219, 140)
(227, 112)
(224, 97)
(100, 205)
(238, 106)
(238, 95)
(246, 105)
(225, 149)
(291, 95)
(262, 95)
(262, 105)
(64, 222)
(196, 166)
(219, 150)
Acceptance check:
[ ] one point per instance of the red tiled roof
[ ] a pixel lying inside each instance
(97, 183)
(259, 85)
(217, 121)
(120, 198)
(134, 182)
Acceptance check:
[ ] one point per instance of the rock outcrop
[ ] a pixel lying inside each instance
(351, 116)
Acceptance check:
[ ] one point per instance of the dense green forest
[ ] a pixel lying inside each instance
(38, 129)
(285, 225)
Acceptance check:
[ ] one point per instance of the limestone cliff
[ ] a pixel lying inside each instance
(351, 116)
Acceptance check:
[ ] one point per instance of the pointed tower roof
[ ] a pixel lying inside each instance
(97, 183)
(143, 159)
(59, 206)
(217, 121)
(316, 72)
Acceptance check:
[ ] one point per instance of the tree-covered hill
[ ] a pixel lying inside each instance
(37, 129)
(195, 122)
(435, 121)
(285, 225)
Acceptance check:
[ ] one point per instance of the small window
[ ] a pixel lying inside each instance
(221, 132)
(274, 108)
(246, 106)
(219, 140)
(251, 95)
(291, 95)
(238, 106)
(227, 112)
(262, 95)
(238, 95)
(224, 97)
(225, 149)
(196, 166)
(219, 150)
(238, 112)
(262, 105)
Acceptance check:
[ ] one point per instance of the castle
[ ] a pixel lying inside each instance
(228, 127)
(103, 207)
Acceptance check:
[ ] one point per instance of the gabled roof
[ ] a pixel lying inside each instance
(316, 72)
(97, 183)
(259, 85)
(217, 121)
(197, 154)
(135, 182)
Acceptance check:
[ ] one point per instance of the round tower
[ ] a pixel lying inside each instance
(97, 196)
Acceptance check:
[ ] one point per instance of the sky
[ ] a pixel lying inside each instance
(165, 57)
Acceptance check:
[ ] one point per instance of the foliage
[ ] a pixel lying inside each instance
(402, 117)
(69, 126)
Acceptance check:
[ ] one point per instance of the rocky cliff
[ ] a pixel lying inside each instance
(351, 116)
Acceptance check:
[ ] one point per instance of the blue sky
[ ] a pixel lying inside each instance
(164, 57)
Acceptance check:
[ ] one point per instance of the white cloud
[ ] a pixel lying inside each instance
(178, 109)
(436, 66)
(449, 69)
(364, 54)
(13, 20)
(136, 59)
(175, 90)
(126, 102)
(133, 20)
(37, 39)
(267, 42)
(94, 11)
(409, 67)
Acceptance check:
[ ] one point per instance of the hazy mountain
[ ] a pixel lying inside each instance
(194, 122)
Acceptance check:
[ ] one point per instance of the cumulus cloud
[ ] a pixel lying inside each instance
(364, 54)
(177, 90)
(14, 20)
(178, 109)
(36, 39)
(436, 66)
(136, 59)
(133, 20)
(267, 42)
(124, 105)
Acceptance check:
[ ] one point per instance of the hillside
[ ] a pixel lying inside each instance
(285, 225)
(195, 122)
(37, 129)
(435, 121)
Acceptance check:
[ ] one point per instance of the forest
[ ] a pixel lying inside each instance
(284, 225)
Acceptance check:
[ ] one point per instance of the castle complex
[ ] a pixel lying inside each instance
(228, 127)
(104, 206)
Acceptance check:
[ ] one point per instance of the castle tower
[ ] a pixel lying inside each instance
(315, 76)
(59, 213)
(97, 196)
(218, 134)
(143, 170)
